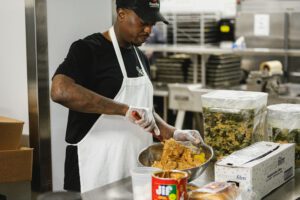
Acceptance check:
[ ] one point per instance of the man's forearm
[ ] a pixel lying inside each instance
(166, 130)
(66, 92)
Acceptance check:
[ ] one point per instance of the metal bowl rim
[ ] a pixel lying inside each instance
(203, 165)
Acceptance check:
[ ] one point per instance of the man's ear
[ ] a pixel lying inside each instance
(121, 14)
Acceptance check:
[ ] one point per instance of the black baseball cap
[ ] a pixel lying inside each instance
(147, 10)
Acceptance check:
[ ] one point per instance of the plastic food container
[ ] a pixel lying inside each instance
(141, 182)
(233, 119)
(283, 125)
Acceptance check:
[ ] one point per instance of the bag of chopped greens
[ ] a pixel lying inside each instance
(283, 125)
(233, 119)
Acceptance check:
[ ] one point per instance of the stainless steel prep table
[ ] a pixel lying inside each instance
(122, 190)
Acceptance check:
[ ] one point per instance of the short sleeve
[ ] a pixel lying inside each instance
(77, 63)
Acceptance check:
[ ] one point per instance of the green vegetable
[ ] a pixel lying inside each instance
(228, 132)
(288, 136)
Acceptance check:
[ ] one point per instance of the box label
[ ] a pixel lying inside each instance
(248, 154)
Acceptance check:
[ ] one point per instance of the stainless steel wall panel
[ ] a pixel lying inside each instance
(38, 93)
(294, 69)
(264, 42)
(294, 30)
(245, 27)
(284, 34)
(294, 43)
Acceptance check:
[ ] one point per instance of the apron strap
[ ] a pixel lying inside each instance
(141, 64)
(117, 51)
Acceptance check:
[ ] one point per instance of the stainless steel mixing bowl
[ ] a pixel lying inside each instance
(153, 153)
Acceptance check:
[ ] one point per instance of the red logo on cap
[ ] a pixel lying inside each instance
(154, 4)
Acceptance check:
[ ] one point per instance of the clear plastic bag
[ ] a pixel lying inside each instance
(233, 119)
(283, 125)
(216, 191)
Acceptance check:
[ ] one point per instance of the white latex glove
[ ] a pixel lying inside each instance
(145, 119)
(188, 135)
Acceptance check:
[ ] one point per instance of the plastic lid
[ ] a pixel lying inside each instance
(140, 171)
(284, 116)
(233, 99)
(285, 108)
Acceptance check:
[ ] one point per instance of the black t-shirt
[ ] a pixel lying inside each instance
(93, 64)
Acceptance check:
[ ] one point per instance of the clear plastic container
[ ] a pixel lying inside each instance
(283, 125)
(233, 119)
(141, 182)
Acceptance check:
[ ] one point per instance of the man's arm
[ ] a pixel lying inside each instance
(166, 130)
(65, 91)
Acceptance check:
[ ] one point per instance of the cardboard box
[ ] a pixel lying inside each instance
(10, 133)
(266, 168)
(16, 165)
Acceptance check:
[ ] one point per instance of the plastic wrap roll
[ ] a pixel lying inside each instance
(273, 67)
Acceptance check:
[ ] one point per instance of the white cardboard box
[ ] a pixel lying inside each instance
(274, 165)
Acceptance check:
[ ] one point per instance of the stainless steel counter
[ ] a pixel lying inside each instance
(15, 190)
(121, 190)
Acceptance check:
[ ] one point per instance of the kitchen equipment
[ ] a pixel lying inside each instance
(192, 28)
(268, 79)
(154, 152)
(141, 182)
(185, 97)
(226, 29)
(173, 69)
(223, 70)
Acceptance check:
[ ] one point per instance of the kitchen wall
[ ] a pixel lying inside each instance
(13, 66)
(284, 30)
(69, 20)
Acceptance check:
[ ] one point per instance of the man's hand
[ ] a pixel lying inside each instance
(187, 135)
(142, 117)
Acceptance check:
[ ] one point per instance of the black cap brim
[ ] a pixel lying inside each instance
(152, 17)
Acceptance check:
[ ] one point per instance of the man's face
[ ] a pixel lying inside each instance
(134, 30)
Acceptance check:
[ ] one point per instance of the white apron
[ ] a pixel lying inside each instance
(110, 149)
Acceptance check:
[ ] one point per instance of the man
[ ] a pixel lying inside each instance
(104, 81)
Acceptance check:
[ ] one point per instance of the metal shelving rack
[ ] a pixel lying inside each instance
(195, 51)
(191, 28)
